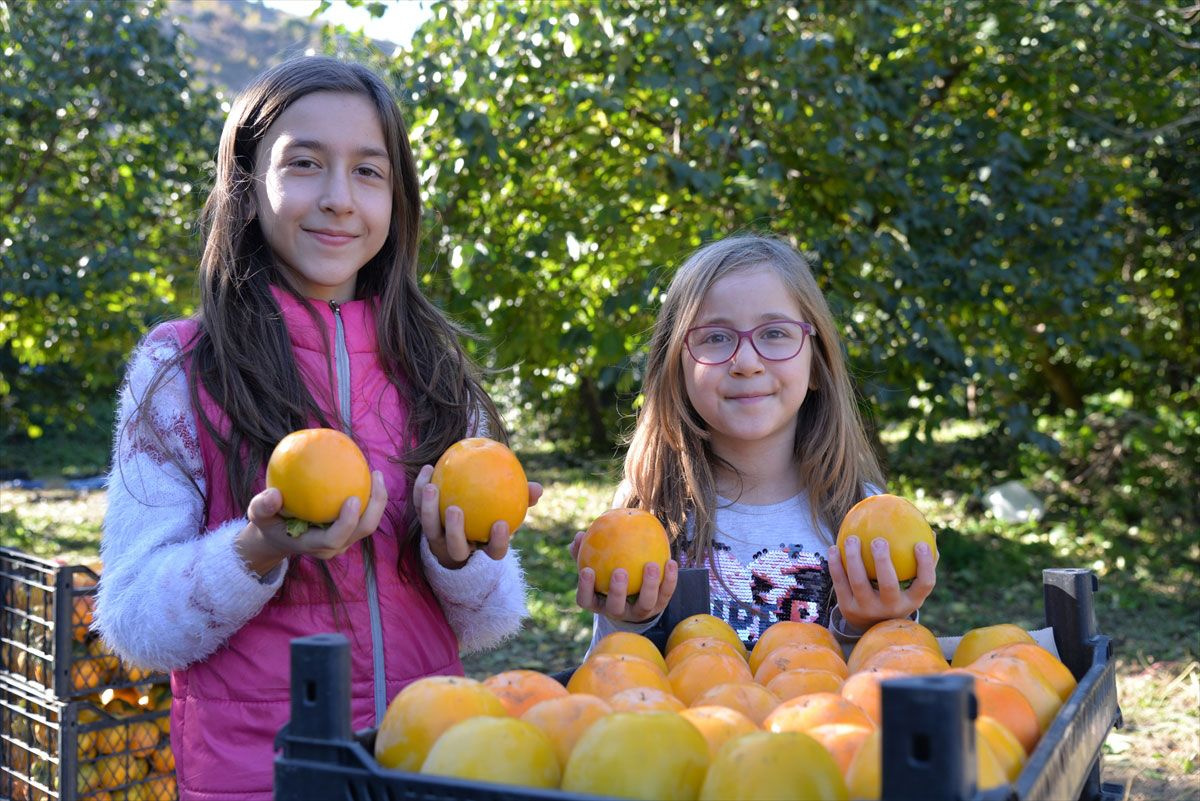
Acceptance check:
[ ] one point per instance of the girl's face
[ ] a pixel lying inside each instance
(323, 191)
(749, 400)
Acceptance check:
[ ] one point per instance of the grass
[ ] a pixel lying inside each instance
(1138, 536)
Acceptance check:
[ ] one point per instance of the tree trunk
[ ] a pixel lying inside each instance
(589, 402)
(1061, 383)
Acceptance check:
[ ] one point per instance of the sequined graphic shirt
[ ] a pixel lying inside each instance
(768, 564)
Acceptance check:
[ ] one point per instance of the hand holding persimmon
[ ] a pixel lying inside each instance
(891, 518)
(316, 470)
(486, 481)
(623, 538)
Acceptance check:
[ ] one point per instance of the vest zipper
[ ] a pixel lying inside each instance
(341, 361)
(342, 366)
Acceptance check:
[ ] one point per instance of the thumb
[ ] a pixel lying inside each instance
(267, 503)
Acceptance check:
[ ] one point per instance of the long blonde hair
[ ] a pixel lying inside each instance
(670, 468)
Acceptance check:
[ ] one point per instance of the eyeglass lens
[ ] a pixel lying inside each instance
(776, 341)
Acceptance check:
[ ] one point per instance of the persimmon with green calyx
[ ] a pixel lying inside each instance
(894, 519)
(486, 481)
(316, 470)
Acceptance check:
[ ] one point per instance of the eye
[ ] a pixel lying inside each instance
(715, 336)
(776, 332)
(370, 171)
(303, 163)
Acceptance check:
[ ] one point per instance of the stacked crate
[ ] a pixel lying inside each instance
(75, 723)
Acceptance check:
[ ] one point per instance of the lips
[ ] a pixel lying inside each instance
(748, 396)
(331, 237)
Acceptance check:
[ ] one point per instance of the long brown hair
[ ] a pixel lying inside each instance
(242, 355)
(670, 468)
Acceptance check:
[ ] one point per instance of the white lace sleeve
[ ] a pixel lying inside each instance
(170, 593)
(484, 600)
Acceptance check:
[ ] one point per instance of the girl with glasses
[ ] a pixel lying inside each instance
(750, 450)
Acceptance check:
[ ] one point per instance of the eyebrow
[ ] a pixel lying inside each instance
(315, 144)
(765, 317)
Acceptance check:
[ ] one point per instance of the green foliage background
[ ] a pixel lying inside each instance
(1002, 196)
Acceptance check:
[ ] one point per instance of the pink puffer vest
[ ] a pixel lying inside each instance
(228, 708)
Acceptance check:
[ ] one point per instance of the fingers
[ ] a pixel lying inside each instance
(656, 591)
(849, 602)
(658, 586)
(585, 593)
(926, 578)
(447, 542)
(618, 588)
(837, 572)
(264, 506)
(574, 546)
(328, 542)
(498, 540)
(455, 538)
(376, 505)
(667, 588)
(860, 603)
(856, 570)
(535, 493)
(885, 574)
(425, 497)
(419, 485)
(647, 596)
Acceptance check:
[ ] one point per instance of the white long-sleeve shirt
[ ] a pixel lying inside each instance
(172, 592)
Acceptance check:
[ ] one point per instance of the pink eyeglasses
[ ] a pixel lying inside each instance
(776, 341)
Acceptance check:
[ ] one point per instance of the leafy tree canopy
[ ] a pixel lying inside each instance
(1002, 196)
(998, 192)
(106, 144)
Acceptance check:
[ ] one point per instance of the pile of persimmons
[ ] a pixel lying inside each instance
(790, 719)
(793, 718)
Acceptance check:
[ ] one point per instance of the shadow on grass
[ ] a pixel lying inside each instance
(986, 577)
(44, 543)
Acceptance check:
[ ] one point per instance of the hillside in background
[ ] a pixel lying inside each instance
(231, 41)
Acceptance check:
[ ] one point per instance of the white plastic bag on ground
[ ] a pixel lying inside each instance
(1012, 502)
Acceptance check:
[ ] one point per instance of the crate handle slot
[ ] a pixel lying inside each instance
(320, 688)
(931, 717)
(1070, 610)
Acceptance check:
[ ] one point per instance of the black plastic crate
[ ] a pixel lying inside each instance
(44, 630)
(928, 731)
(76, 750)
(929, 740)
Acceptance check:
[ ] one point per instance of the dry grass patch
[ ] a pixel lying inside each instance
(1156, 754)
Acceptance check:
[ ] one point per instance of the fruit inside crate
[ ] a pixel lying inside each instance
(111, 745)
(45, 635)
(321, 757)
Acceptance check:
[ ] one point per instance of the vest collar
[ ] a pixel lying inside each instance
(358, 322)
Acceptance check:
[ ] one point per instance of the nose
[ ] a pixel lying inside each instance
(745, 357)
(336, 195)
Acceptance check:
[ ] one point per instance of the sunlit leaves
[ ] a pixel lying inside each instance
(981, 157)
(106, 144)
